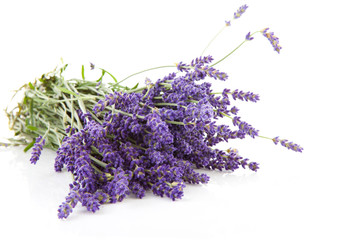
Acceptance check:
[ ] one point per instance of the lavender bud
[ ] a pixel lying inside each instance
(248, 37)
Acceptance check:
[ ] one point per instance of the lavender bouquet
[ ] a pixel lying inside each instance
(118, 140)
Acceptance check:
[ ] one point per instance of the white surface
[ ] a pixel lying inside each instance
(309, 94)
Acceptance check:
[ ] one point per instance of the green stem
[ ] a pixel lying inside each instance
(265, 137)
(81, 103)
(46, 133)
(73, 112)
(72, 99)
(147, 92)
(169, 104)
(142, 117)
(109, 74)
(224, 114)
(95, 117)
(207, 46)
(193, 101)
(149, 69)
(166, 84)
(176, 123)
(95, 150)
(233, 50)
(135, 90)
(213, 93)
(96, 169)
(133, 143)
(98, 162)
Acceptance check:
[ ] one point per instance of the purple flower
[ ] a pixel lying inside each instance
(137, 189)
(244, 162)
(289, 145)
(90, 201)
(240, 11)
(228, 23)
(159, 134)
(201, 61)
(155, 139)
(37, 148)
(248, 37)
(272, 38)
(234, 110)
(176, 191)
(182, 66)
(245, 96)
(173, 190)
(198, 70)
(148, 82)
(244, 127)
(254, 166)
(139, 173)
(101, 197)
(66, 208)
(118, 188)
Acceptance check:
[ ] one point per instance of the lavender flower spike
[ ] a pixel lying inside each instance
(272, 38)
(289, 145)
(240, 11)
(36, 151)
(248, 37)
(237, 14)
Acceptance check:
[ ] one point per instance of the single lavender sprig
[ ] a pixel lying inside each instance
(36, 151)
(237, 15)
(240, 11)
(245, 96)
(272, 38)
(289, 145)
(239, 94)
(66, 208)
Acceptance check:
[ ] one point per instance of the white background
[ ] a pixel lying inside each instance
(309, 94)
